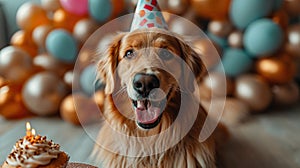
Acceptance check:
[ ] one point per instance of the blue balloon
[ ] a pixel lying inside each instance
(100, 10)
(88, 80)
(243, 12)
(62, 45)
(236, 62)
(263, 37)
(222, 42)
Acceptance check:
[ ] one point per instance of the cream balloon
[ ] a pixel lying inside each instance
(15, 64)
(43, 93)
(253, 90)
(83, 29)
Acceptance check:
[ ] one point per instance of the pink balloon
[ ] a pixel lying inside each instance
(79, 7)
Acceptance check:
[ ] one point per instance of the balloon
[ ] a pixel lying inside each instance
(281, 18)
(85, 111)
(277, 4)
(99, 98)
(118, 7)
(174, 6)
(83, 29)
(51, 5)
(49, 63)
(15, 64)
(254, 91)
(220, 28)
(30, 15)
(236, 62)
(88, 80)
(23, 40)
(68, 78)
(101, 11)
(62, 45)
(11, 105)
(235, 39)
(43, 93)
(65, 20)
(276, 70)
(263, 37)
(78, 7)
(286, 94)
(208, 52)
(293, 40)
(40, 34)
(211, 9)
(292, 7)
(244, 12)
(214, 81)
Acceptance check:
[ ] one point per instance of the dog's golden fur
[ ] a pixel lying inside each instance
(120, 117)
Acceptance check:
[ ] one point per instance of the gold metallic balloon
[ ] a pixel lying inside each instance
(286, 94)
(15, 64)
(23, 40)
(43, 93)
(118, 7)
(208, 52)
(30, 15)
(176, 6)
(40, 34)
(281, 18)
(78, 109)
(51, 5)
(211, 9)
(49, 63)
(278, 70)
(292, 7)
(293, 40)
(11, 105)
(218, 84)
(220, 28)
(99, 98)
(235, 39)
(83, 29)
(68, 109)
(254, 91)
(65, 20)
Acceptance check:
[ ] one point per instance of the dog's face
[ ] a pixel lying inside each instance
(149, 66)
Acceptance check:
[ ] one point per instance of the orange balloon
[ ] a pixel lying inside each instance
(211, 9)
(118, 7)
(281, 18)
(11, 105)
(65, 20)
(277, 70)
(30, 15)
(23, 40)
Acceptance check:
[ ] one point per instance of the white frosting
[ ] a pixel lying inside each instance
(31, 152)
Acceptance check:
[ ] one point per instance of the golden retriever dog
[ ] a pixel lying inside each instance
(152, 117)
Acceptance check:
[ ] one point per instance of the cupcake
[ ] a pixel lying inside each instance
(36, 152)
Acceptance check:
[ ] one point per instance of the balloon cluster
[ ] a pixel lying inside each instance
(258, 42)
(36, 70)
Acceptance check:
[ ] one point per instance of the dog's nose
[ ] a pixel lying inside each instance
(144, 83)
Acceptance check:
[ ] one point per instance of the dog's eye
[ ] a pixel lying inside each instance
(165, 54)
(129, 54)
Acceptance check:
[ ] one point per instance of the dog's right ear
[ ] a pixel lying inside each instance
(108, 63)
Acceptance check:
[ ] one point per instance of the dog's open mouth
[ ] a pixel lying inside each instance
(148, 112)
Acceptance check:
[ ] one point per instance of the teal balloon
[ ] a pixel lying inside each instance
(100, 10)
(263, 37)
(277, 4)
(236, 62)
(243, 12)
(62, 45)
(89, 81)
(222, 42)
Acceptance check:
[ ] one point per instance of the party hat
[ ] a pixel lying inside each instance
(148, 15)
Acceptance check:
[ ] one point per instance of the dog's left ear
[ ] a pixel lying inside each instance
(195, 69)
(108, 63)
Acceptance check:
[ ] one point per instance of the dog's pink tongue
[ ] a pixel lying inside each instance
(146, 115)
